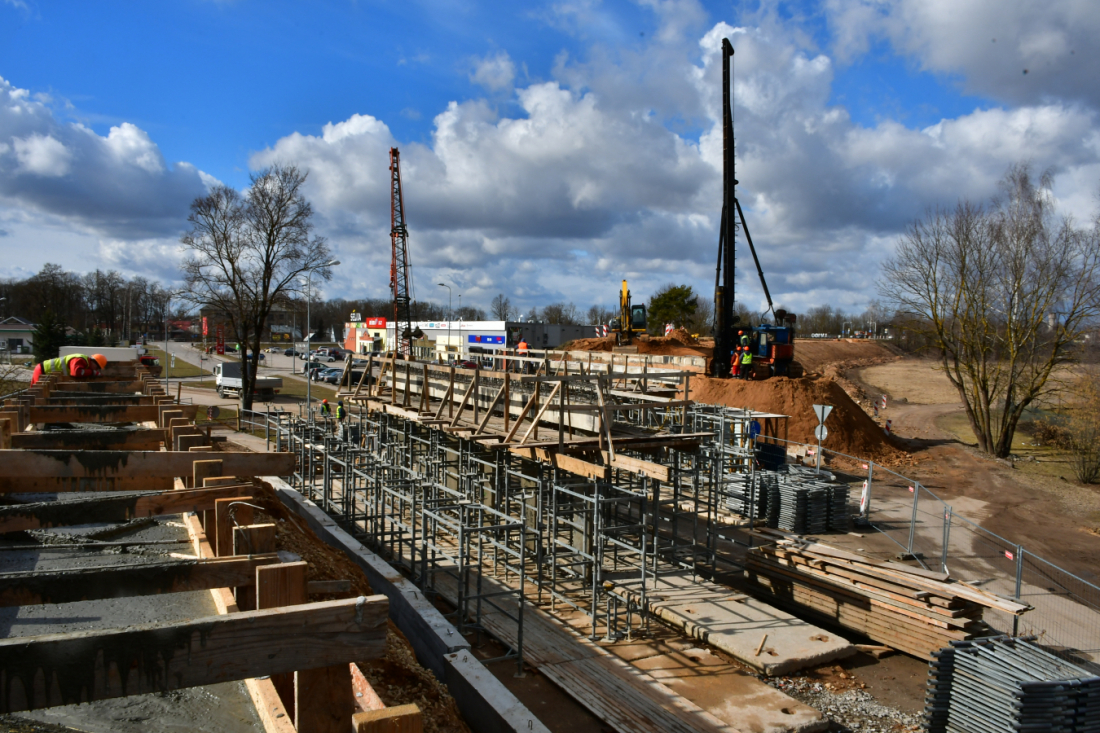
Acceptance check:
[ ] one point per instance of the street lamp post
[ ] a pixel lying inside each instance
(461, 349)
(309, 381)
(450, 314)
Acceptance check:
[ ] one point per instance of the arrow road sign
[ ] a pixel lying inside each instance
(821, 432)
(822, 412)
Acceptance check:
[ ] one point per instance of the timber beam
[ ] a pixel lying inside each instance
(62, 669)
(42, 515)
(105, 413)
(121, 581)
(137, 464)
(127, 439)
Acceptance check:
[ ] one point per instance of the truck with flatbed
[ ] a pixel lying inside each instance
(227, 379)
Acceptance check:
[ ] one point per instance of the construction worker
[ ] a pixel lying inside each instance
(341, 412)
(743, 339)
(521, 350)
(735, 362)
(746, 364)
(80, 366)
(326, 411)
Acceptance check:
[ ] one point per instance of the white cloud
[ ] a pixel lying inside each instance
(591, 181)
(989, 43)
(496, 73)
(41, 155)
(116, 185)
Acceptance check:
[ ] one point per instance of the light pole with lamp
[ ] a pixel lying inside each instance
(309, 382)
(450, 314)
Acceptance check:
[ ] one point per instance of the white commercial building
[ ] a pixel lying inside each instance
(456, 340)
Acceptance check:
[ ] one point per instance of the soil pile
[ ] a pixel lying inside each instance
(816, 354)
(679, 343)
(851, 430)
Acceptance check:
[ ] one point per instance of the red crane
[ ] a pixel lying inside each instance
(400, 283)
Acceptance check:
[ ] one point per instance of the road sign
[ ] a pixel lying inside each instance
(822, 412)
(821, 432)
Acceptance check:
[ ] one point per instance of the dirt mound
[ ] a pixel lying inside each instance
(816, 354)
(681, 336)
(679, 343)
(851, 430)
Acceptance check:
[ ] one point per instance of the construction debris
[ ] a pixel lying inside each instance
(911, 610)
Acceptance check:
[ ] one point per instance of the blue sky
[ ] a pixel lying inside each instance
(553, 147)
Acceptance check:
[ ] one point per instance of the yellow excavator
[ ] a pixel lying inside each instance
(631, 320)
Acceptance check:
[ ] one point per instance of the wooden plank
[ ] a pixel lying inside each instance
(637, 465)
(228, 513)
(50, 484)
(323, 699)
(365, 696)
(103, 413)
(278, 586)
(129, 439)
(327, 587)
(119, 581)
(60, 669)
(137, 464)
(7, 427)
(398, 719)
(124, 387)
(252, 539)
(42, 515)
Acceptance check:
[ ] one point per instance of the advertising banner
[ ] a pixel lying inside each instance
(376, 323)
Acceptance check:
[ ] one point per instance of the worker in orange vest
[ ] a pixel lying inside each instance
(735, 362)
(79, 366)
(521, 350)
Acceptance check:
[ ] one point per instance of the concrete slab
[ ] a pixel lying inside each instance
(731, 695)
(736, 624)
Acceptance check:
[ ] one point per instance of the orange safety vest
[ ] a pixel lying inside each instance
(522, 347)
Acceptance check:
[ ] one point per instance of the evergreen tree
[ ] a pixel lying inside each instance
(49, 336)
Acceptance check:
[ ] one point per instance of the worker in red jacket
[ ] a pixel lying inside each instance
(79, 366)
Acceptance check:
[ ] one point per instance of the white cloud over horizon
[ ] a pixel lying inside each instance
(553, 189)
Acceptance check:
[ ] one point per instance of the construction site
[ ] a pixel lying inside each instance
(615, 535)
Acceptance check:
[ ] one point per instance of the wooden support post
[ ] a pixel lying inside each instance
(228, 513)
(276, 586)
(507, 398)
(425, 396)
(200, 472)
(187, 442)
(249, 540)
(5, 432)
(253, 539)
(166, 417)
(63, 669)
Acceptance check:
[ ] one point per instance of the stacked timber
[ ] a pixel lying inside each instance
(909, 609)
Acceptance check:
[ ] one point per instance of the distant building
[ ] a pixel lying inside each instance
(451, 340)
(17, 335)
(281, 325)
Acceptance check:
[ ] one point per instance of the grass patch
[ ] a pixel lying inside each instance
(181, 369)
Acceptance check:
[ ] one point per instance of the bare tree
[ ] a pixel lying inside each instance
(502, 309)
(1003, 294)
(246, 254)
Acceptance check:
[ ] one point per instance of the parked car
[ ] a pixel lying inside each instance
(311, 367)
(290, 352)
(467, 365)
(321, 375)
(333, 377)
